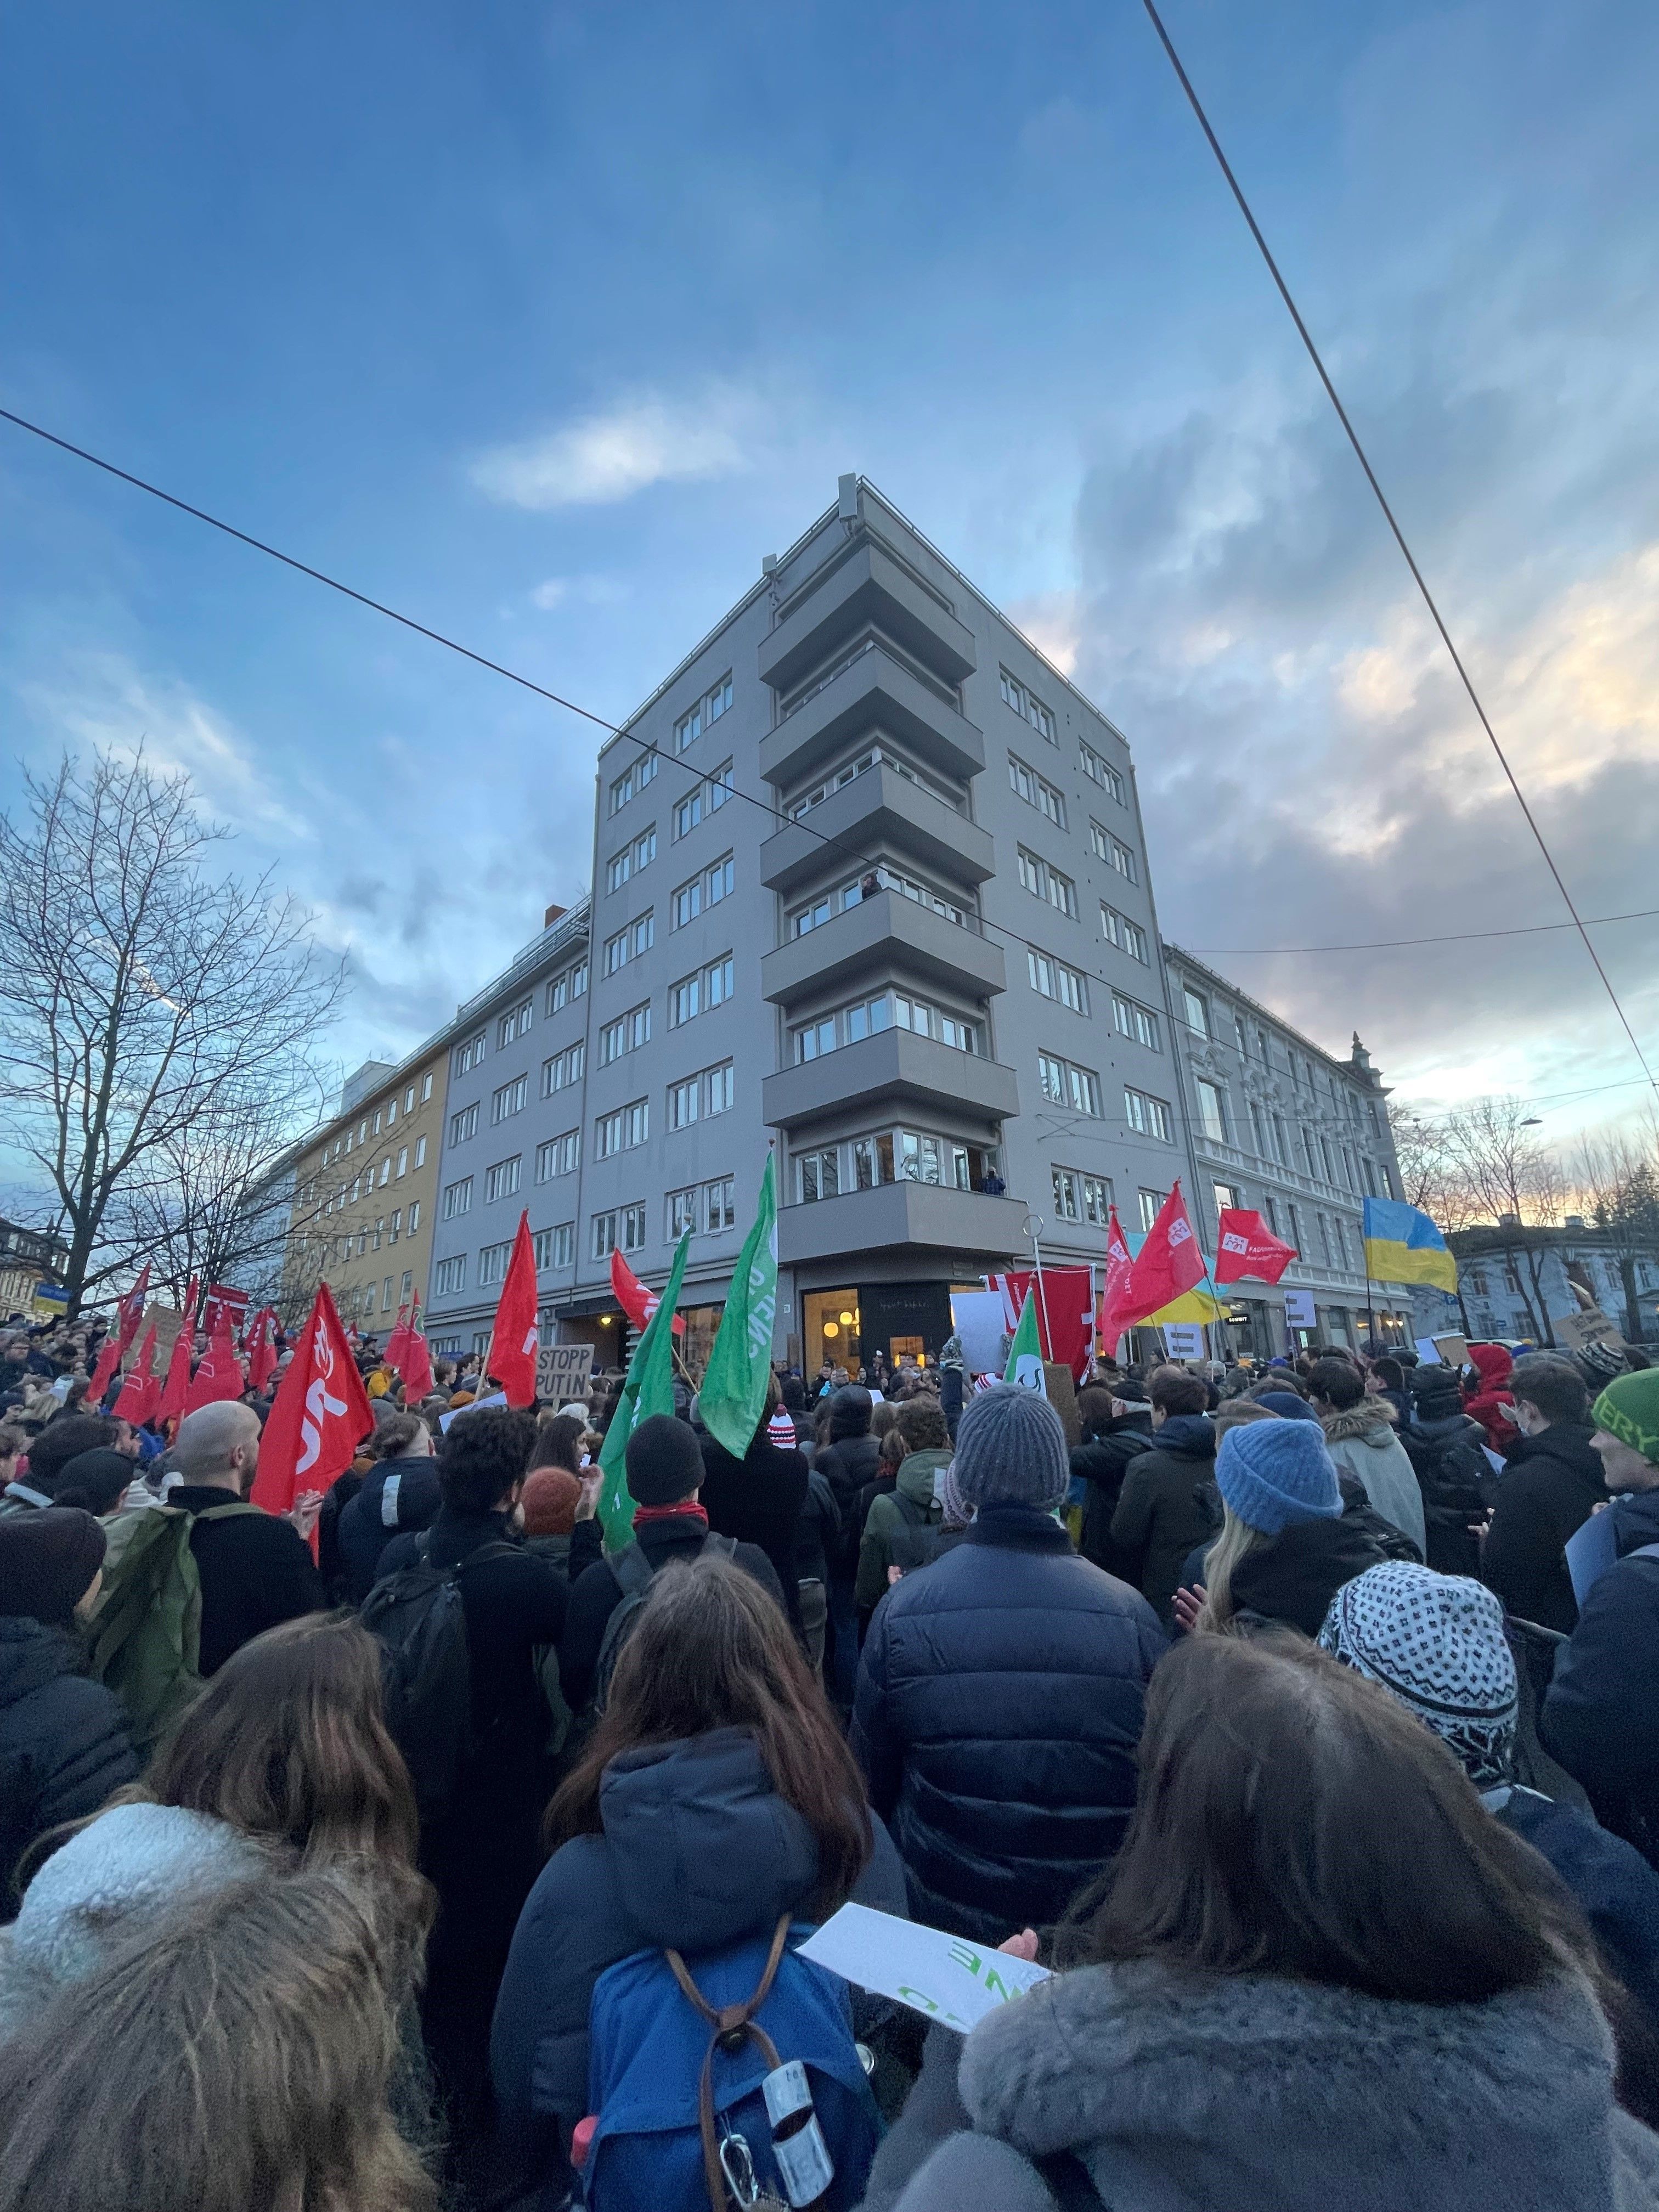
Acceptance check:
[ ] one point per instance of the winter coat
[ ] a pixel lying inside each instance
(817, 1532)
(364, 1529)
(1192, 2094)
(1293, 1576)
(1493, 1404)
(1167, 1504)
(1600, 1714)
(886, 1518)
(1102, 1462)
(758, 1499)
(847, 1463)
(256, 1571)
(999, 1701)
(1453, 1471)
(1363, 1441)
(1613, 1885)
(108, 1886)
(1549, 1484)
(696, 1851)
(63, 1740)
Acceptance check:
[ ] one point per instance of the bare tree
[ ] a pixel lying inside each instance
(145, 998)
(1617, 1178)
(1511, 1179)
(1431, 1176)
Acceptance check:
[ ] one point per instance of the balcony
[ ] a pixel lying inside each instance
(885, 931)
(879, 807)
(975, 1233)
(869, 585)
(874, 692)
(895, 1067)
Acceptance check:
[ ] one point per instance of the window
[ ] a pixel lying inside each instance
(1096, 1199)
(690, 726)
(1063, 1182)
(554, 1248)
(872, 1161)
(618, 868)
(1132, 1019)
(413, 1218)
(509, 1099)
(721, 1202)
(464, 1124)
(467, 1057)
(705, 797)
(1046, 883)
(719, 880)
(1051, 1074)
(564, 1067)
(604, 1235)
(925, 1020)
(633, 1227)
(1271, 1206)
(408, 1283)
(607, 1135)
(559, 1156)
(1151, 1205)
(626, 1034)
(385, 1171)
(1238, 1032)
(450, 1276)
(1197, 1012)
(457, 1197)
(684, 1000)
(377, 1121)
(1067, 1085)
(631, 944)
(1101, 772)
(1212, 1110)
(1226, 1196)
(717, 982)
(684, 1102)
(817, 1175)
(682, 1212)
(636, 1123)
(824, 906)
(1128, 936)
(513, 1024)
(1027, 706)
(502, 1180)
(492, 1263)
(687, 903)
(635, 777)
(1150, 1116)
(1035, 791)
(408, 1099)
(391, 1115)
(1055, 979)
(718, 1089)
(563, 988)
(1281, 1141)
(1113, 850)
(402, 1160)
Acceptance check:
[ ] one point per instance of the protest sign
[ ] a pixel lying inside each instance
(1579, 1331)
(1183, 1340)
(1299, 1310)
(944, 1978)
(976, 1316)
(563, 1371)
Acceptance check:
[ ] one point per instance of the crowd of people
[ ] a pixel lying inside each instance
(420, 1849)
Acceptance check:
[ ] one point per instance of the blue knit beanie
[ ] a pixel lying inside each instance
(1273, 1472)
(1287, 1405)
(1011, 1450)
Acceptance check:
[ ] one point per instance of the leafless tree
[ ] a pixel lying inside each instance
(146, 998)
(1431, 1177)
(1617, 1181)
(1513, 1181)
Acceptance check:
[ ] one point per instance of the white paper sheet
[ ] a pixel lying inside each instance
(944, 1978)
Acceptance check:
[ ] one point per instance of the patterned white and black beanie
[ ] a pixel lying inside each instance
(1436, 1643)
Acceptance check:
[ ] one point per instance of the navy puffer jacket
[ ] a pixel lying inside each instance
(63, 1740)
(1000, 1698)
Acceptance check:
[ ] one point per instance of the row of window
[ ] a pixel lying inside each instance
(370, 1126)
(1340, 1242)
(626, 1034)
(710, 888)
(887, 1010)
(1324, 1160)
(825, 905)
(1101, 772)
(637, 854)
(1026, 704)
(370, 1178)
(634, 778)
(632, 943)
(889, 1155)
(516, 1021)
(402, 1221)
(1361, 1111)
(703, 798)
(872, 757)
(707, 711)
(1037, 791)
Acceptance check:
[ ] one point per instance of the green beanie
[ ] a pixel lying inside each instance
(1629, 1409)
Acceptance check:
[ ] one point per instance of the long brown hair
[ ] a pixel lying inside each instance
(238, 2058)
(710, 1650)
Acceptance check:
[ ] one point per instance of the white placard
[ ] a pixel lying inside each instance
(1299, 1310)
(944, 1978)
(479, 1405)
(978, 1319)
(1184, 1340)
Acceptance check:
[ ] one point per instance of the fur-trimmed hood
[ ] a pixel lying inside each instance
(1371, 1422)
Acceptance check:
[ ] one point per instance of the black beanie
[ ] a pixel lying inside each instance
(94, 1479)
(48, 1557)
(663, 1461)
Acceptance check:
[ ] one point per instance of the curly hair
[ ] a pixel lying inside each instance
(482, 1456)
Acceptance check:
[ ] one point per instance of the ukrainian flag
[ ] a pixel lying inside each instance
(1404, 1246)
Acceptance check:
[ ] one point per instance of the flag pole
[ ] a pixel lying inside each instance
(1042, 1295)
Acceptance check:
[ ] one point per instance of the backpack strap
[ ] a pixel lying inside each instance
(632, 1569)
(724, 1547)
(730, 2029)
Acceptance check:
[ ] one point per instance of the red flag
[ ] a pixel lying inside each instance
(1168, 1263)
(261, 1351)
(176, 1388)
(638, 1303)
(417, 1371)
(129, 1312)
(1115, 1299)
(1064, 1301)
(142, 1388)
(1246, 1246)
(219, 1373)
(397, 1343)
(511, 1355)
(320, 1416)
(223, 1297)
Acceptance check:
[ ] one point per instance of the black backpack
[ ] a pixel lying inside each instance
(633, 1572)
(1453, 1473)
(426, 1669)
(921, 1538)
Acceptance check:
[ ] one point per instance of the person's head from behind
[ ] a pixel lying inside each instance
(1097, 1409)
(710, 1648)
(1336, 1384)
(1435, 1643)
(559, 1442)
(219, 1445)
(1437, 1392)
(550, 1497)
(882, 1417)
(920, 1426)
(65, 1438)
(236, 2059)
(1627, 1434)
(1292, 1819)
(96, 1481)
(794, 1394)
(1234, 1413)
(1173, 1391)
(484, 1459)
(1388, 1374)
(664, 1463)
(850, 1408)
(1011, 1451)
(1272, 1476)
(398, 1435)
(1546, 1390)
(51, 1565)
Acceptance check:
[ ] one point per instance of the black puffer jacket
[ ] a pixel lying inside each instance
(63, 1741)
(1453, 1473)
(1293, 1576)
(1168, 1503)
(758, 1500)
(847, 1463)
(1548, 1487)
(1103, 1461)
(1001, 1697)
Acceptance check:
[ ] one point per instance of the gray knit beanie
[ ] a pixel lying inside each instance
(1011, 1450)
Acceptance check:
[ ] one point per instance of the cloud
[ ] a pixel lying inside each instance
(643, 440)
(592, 590)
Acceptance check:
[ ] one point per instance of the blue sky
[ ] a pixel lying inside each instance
(546, 324)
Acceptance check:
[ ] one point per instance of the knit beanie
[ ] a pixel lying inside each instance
(1436, 1643)
(47, 1561)
(95, 1479)
(663, 1461)
(1436, 1393)
(1287, 1405)
(550, 1497)
(1011, 1450)
(780, 1430)
(1273, 1472)
(1629, 1409)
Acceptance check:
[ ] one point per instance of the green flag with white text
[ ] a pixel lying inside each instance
(1024, 1367)
(649, 1390)
(733, 1393)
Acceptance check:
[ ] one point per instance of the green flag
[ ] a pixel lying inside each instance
(1024, 1367)
(733, 1393)
(649, 1390)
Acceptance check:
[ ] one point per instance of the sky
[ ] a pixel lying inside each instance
(544, 323)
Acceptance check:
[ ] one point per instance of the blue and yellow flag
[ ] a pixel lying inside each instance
(1404, 1246)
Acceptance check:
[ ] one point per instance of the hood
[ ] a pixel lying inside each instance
(1161, 2070)
(705, 1849)
(1294, 1576)
(1449, 1428)
(916, 1472)
(850, 1409)
(1370, 1422)
(1193, 1433)
(1636, 1521)
(31, 1656)
(1493, 1365)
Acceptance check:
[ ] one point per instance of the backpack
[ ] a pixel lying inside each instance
(426, 1667)
(146, 1629)
(676, 2061)
(1452, 1475)
(923, 1536)
(633, 1572)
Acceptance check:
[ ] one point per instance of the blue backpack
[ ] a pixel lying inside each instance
(674, 2074)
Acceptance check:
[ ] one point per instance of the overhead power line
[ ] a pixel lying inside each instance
(1452, 937)
(1399, 534)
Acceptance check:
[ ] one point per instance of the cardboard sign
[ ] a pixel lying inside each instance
(563, 1371)
(944, 1977)
(1299, 1310)
(1453, 1350)
(1578, 1331)
(167, 1321)
(1184, 1340)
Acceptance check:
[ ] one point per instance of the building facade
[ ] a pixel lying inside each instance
(1515, 1283)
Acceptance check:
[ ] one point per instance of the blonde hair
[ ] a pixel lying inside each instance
(1236, 1542)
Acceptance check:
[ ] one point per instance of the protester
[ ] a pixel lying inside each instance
(848, 1460)
(716, 1794)
(1447, 1449)
(1000, 1695)
(59, 1442)
(793, 1398)
(818, 1537)
(757, 1498)
(399, 1492)
(1551, 1482)
(1116, 1428)
(1359, 1434)
(904, 1527)
(1386, 1380)
(1277, 1997)
(1168, 1501)
(552, 1493)
(1486, 1395)
(63, 1740)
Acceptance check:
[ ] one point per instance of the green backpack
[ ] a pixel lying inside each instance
(145, 1631)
